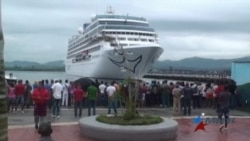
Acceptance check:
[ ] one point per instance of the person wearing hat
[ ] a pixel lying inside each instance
(40, 97)
(45, 130)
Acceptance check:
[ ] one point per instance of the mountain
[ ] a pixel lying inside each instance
(29, 64)
(194, 63)
(198, 63)
(59, 63)
(24, 64)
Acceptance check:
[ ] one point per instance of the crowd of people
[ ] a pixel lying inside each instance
(183, 97)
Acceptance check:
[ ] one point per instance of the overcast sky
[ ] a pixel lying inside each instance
(39, 30)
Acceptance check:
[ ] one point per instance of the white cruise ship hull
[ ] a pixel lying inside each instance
(134, 63)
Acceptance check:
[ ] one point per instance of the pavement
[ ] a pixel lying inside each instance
(21, 125)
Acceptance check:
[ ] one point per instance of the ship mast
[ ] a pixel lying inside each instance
(110, 10)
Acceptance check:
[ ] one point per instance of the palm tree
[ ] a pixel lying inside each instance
(3, 101)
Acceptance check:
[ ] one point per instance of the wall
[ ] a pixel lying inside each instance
(240, 72)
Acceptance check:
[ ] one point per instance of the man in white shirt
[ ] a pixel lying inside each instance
(102, 88)
(195, 98)
(57, 96)
(111, 98)
(65, 95)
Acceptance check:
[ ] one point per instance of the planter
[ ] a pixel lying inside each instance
(164, 131)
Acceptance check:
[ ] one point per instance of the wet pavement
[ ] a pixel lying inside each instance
(21, 126)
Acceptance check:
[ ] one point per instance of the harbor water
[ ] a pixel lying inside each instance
(33, 76)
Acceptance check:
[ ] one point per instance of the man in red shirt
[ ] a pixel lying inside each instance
(217, 91)
(40, 97)
(19, 91)
(78, 98)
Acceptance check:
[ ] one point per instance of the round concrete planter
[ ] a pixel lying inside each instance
(98, 131)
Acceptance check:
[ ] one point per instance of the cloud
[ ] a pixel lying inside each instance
(39, 30)
(203, 26)
(205, 45)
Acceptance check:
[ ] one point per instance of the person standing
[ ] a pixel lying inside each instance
(117, 94)
(111, 90)
(165, 95)
(57, 96)
(224, 106)
(47, 86)
(209, 95)
(11, 97)
(35, 85)
(27, 93)
(92, 93)
(195, 97)
(148, 96)
(232, 89)
(78, 96)
(70, 95)
(65, 96)
(72, 88)
(40, 97)
(19, 91)
(143, 91)
(176, 99)
(216, 91)
(187, 96)
(199, 89)
(102, 88)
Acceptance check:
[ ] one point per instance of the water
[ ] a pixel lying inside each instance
(33, 76)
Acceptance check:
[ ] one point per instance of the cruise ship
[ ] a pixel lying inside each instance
(113, 46)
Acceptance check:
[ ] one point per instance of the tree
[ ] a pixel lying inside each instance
(3, 101)
(132, 83)
(130, 112)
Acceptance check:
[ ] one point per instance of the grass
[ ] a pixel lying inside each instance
(139, 120)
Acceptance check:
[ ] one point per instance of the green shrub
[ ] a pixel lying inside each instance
(138, 120)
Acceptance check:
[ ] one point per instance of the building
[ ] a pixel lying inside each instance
(240, 71)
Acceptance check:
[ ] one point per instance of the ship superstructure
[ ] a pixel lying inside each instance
(113, 47)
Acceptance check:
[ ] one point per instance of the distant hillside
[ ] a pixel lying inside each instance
(22, 64)
(59, 63)
(28, 65)
(197, 63)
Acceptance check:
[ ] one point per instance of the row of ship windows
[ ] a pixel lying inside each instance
(136, 39)
(90, 27)
(121, 39)
(120, 33)
(115, 45)
(119, 17)
(84, 58)
(115, 26)
(132, 39)
(131, 33)
(72, 46)
(94, 49)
